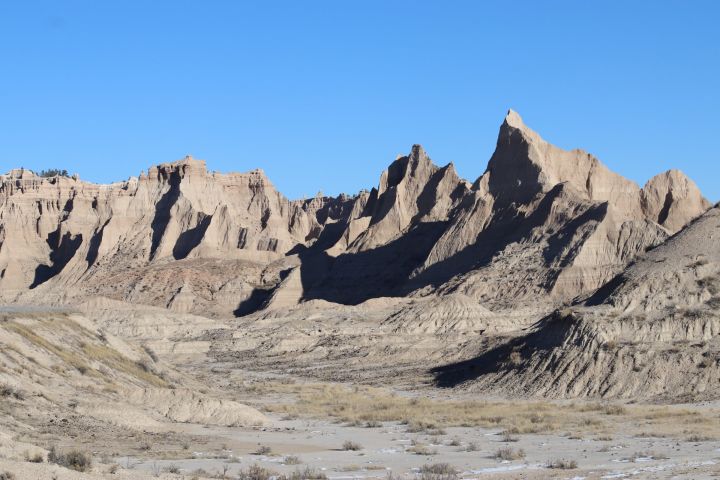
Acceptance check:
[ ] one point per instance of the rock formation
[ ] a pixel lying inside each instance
(627, 340)
(540, 227)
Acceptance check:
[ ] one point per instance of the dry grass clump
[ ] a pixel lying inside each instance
(421, 449)
(700, 438)
(507, 453)
(74, 459)
(34, 457)
(562, 464)
(256, 472)
(438, 471)
(305, 474)
(263, 450)
(292, 460)
(349, 445)
(472, 447)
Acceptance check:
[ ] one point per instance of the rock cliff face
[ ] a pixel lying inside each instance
(99, 237)
(540, 223)
(540, 227)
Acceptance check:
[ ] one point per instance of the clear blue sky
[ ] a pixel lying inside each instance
(324, 95)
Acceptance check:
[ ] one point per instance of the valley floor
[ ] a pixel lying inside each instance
(348, 432)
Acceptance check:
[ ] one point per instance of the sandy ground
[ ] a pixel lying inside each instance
(389, 448)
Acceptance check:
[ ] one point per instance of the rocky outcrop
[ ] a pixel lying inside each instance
(539, 228)
(541, 223)
(77, 234)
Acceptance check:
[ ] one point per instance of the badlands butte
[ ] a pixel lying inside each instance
(193, 323)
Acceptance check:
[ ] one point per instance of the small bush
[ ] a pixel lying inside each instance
(256, 472)
(263, 450)
(508, 453)
(172, 469)
(508, 437)
(292, 460)
(562, 464)
(472, 447)
(420, 449)
(306, 474)
(438, 469)
(74, 459)
(352, 446)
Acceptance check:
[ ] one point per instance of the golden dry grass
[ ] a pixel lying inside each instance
(362, 405)
(88, 350)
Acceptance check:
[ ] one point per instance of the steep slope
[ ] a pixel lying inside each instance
(540, 227)
(652, 332)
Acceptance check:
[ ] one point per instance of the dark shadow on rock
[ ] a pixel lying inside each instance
(162, 211)
(191, 238)
(251, 304)
(352, 278)
(94, 245)
(546, 335)
(63, 249)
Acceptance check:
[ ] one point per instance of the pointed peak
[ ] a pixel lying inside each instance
(513, 119)
(417, 149)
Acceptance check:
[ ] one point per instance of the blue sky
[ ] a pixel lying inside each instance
(324, 94)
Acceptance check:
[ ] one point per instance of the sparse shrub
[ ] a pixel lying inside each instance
(699, 439)
(614, 410)
(472, 447)
(350, 445)
(74, 459)
(508, 437)
(420, 449)
(306, 474)
(35, 457)
(507, 453)
(420, 426)
(515, 358)
(454, 442)
(652, 455)
(438, 469)
(373, 424)
(172, 469)
(292, 460)
(263, 450)
(562, 464)
(256, 472)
